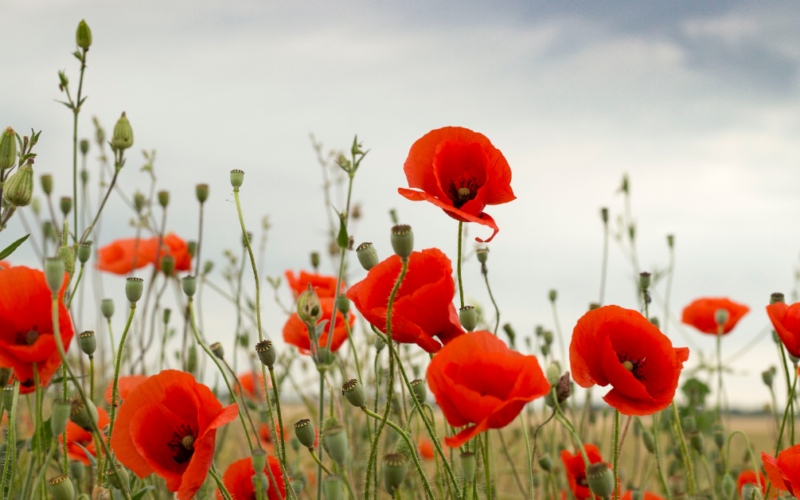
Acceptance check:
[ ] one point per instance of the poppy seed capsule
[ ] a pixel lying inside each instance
(402, 240)
(88, 342)
(76, 469)
(468, 317)
(118, 477)
(167, 313)
(18, 189)
(775, 298)
(367, 255)
(604, 215)
(336, 443)
(304, 431)
(84, 146)
(189, 285)
(8, 148)
(721, 316)
(259, 459)
(546, 463)
(600, 479)
(468, 466)
(419, 390)
(60, 416)
(512, 334)
(689, 424)
(201, 192)
(266, 353)
(237, 178)
(314, 260)
(218, 351)
(133, 289)
(54, 274)
(84, 252)
(547, 336)
(355, 393)
(553, 295)
(332, 487)
(553, 374)
(83, 36)
(167, 265)
(61, 487)
(191, 248)
(718, 432)
(8, 397)
(343, 304)
(47, 183)
(309, 308)
(395, 468)
(123, 134)
(649, 441)
(644, 281)
(163, 198)
(139, 201)
(698, 442)
(482, 254)
(83, 413)
(654, 320)
(107, 308)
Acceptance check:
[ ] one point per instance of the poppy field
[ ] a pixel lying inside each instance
(387, 381)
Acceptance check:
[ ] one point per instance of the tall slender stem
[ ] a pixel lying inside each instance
(661, 474)
(604, 268)
(486, 464)
(687, 462)
(115, 387)
(719, 371)
(76, 109)
(458, 264)
(786, 413)
(321, 421)
(616, 454)
(668, 291)
(491, 296)
(11, 439)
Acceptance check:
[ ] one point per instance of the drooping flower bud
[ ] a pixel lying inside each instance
(728, 486)
(201, 192)
(87, 342)
(600, 479)
(304, 431)
(66, 255)
(512, 334)
(266, 353)
(343, 304)
(83, 37)
(649, 440)
(402, 240)
(107, 308)
(189, 285)
(18, 189)
(367, 255)
(419, 390)
(336, 443)
(8, 149)
(237, 178)
(469, 465)
(217, 350)
(54, 274)
(355, 393)
(332, 487)
(123, 134)
(163, 198)
(379, 344)
(395, 468)
(721, 316)
(133, 289)
(47, 183)
(61, 487)
(309, 308)
(468, 317)
(546, 463)
(84, 252)
(482, 254)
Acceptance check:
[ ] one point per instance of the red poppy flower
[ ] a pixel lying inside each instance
(647, 496)
(124, 387)
(425, 448)
(76, 435)
(786, 321)
(120, 256)
(168, 425)
(478, 380)
(238, 480)
(701, 314)
(749, 477)
(248, 384)
(459, 171)
(325, 286)
(177, 248)
(617, 346)
(575, 468)
(784, 471)
(423, 306)
(296, 333)
(26, 326)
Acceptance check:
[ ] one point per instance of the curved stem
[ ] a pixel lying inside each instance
(115, 387)
(687, 463)
(749, 451)
(319, 463)
(786, 413)
(225, 494)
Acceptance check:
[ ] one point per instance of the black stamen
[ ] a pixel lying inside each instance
(638, 364)
(466, 190)
(180, 453)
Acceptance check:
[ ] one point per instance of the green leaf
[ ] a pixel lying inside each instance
(10, 248)
(139, 494)
(92, 459)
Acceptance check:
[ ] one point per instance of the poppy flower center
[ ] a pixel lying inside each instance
(582, 481)
(27, 338)
(462, 190)
(182, 444)
(632, 365)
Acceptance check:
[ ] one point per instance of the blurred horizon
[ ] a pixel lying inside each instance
(696, 102)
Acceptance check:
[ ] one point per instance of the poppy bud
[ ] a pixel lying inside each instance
(83, 37)
(88, 343)
(66, 255)
(139, 201)
(189, 285)
(547, 335)
(402, 240)
(768, 376)
(266, 353)
(395, 467)
(649, 441)
(167, 313)
(8, 148)
(355, 393)
(83, 413)
(512, 335)
(207, 267)
(689, 424)
(84, 146)
(698, 442)
(332, 487)
(343, 304)
(191, 359)
(61, 487)
(309, 308)
(750, 492)
(336, 443)
(314, 260)
(163, 198)
(379, 344)
(545, 350)
(167, 265)
(482, 254)
(546, 463)
(107, 308)
(644, 281)
(604, 215)
(600, 479)
(133, 289)
(728, 486)
(47, 183)
(237, 178)
(468, 466)
(367, 255)
(218, 350)
(54, 274)
(76, 469)
(468, 317)
(419, 390)
(84, 252)
(201, 192)
(718, 432)
(775, 298)
(553, 295)
(296, 445)
(84, 176)
(553, 374)
(721, 316)
(119, 477)
(35, 206)
(304, 431)
(8, 397)
(18, 189)
(60, 416)
(123, 134)
(191, 247)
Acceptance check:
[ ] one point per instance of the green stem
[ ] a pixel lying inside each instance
(753, 460)
(604, 267)
(280, 418)
(486, 465)
(319, 463)
(491, 296)
(719, 371)
(616, 454)
(40, 476)
(91, 378)
(11, 438)
(321, 369)
(711, 485)
(786, 413)
(687, 462)
(75, 289)
(255, 271)
(225, 494)
(460, 284)
(115, 387)
(528, 453)
(661, 475)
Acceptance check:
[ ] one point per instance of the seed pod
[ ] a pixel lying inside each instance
(332, 487)
(123, 134)
(83, 37)
(218, 350)
(314, 260)
(61, 487)
(47, 183)
(207, 267)
(201, 192)
(191, 248)
(419, 390)
(402, 240)
(266, 353)
(367, 255)
(768, 376)
(139, 201)
(83, 413)
(482, 254)
(649, 440)
(469, 465)
(600, 479)
(379, 344)
(8, 398)
(776, 297)
(343, 304)
(547, 336)
(336, 443)
(259, 458)
(237, 178)
(76, 470)
(119, 479)
(60, 416)
(719, 435)
(395, 468)
(689, 424)
(107, 308)
(84, 146)
(133, 289)
(309, 308)
(644, 281)
(8, 149)
(304, 431)
(189, 286)
(167, 265)
(546, 463)
(698, 442)
(553, 374)
(167, 314)
(87, 342)
(468, 317)
(18, 189)
(512, 335)
(355, 393)
(66, 205)
(721, 316)
(163, 198)
(84, 252)
(552, 295)
(54, 274)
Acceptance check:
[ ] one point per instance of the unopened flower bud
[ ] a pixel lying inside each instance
(600, 479)
(133, 289)
(512, 334)
(545, 349)
(469, 465)
(107, 308)
(61, 487)
(314, 260)
(553, 295)
(468, 317)
(167, 313)
(775, 298)
(721, 316)
(139, 201)
(54, 274)
(309, 308)
(304, 431)
(84, 146)
(332, 487)
(395, 468)
(189, 285)
(201, 192)
(66, 205)
(546, 463)
(750, 492)
(379, 344)
(547, 336)
(402, 240)
(419, 390)
(654, 320)
(163, 198)
(237, 178)
(66, 255)
(644, 281)
(354, 392)
(83, 413)
(207, 267)
(47, 183)
(728, 486)
(76, 470)
(649, 440)
(191, 248)
(36, 206)
(88, 342)
(266, 353)
(553, 374)
(83, 37)
(8, 149)
(367, 255)
(768, 376)
(84, 252)
(123, 134)
(218, 350)
(60, 416)
(18, 189)
(343, 304)
(482, 254)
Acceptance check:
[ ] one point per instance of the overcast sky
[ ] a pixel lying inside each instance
(698, 103)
